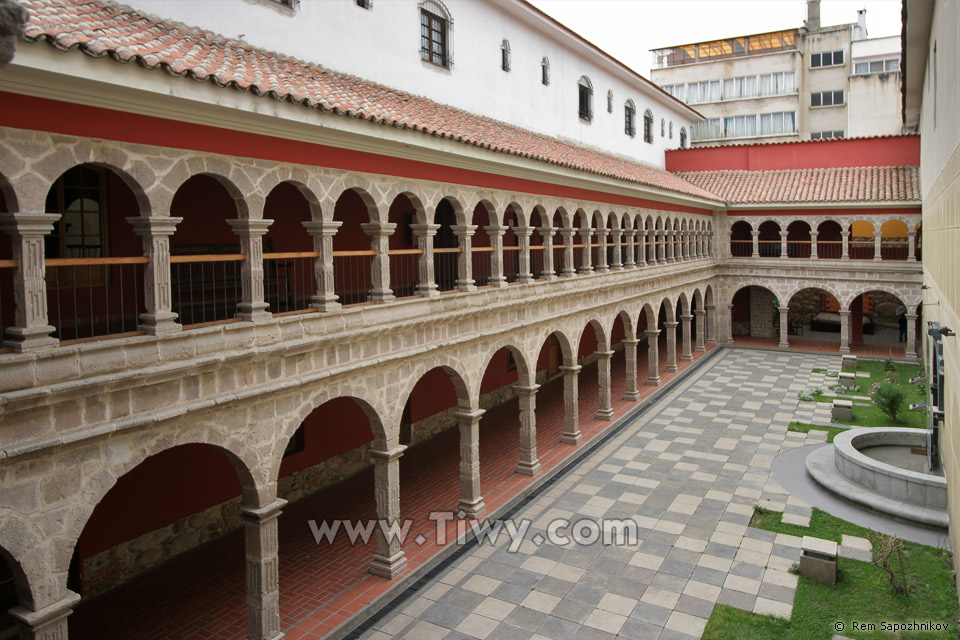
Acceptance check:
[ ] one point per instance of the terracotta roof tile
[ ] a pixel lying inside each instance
(102, 28)
(844, 184)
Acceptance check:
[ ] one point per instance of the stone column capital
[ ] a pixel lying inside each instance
(323, 228)
(568, 232)
(523, 232)
(469, 416)
(605, 355)
(630, 342)
(569, 369)
(547, 231)
(671, 325)
(700, 312)
(652, 333)
(249, 227)
(46, 615)
(262, 514)
(525, 390)
(21, 224)
(153, 226)
(496, 230)
(844, 312)
(912, 316)
(755, 233)
(784, 234)
(389, 455)
(424, 229)
(464, 230)
(380, 229)
(686, 317)
(814, 234)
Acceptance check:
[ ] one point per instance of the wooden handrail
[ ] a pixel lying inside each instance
(291, 254)
(93, 262)
(404, 252)
(353, 254)
(512, 248)
(227, 257)
(6, 264)
(448, 250)
(481, 249)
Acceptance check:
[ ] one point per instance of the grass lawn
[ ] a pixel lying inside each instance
(862, 594)
(872, 416)
(807, 428)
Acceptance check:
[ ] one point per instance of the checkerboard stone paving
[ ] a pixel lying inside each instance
(688, 472)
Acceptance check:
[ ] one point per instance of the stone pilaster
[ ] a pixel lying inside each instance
(389, 561)
(495, 233)
(911, 335)
(877, 239)
(756, 244)
(701, 330)
(426, 285)
(529, 464)
(380, 233)
(671, 328)
(155, 232)
(844, 330)
(653, 357)
(631, 235)
(523, 234)
(728, 328)
(548, 268)
(464, 233)
(31, 328)
(630, 351)
(783, 245)
(571, 408)
(262, 552)
(471, 500)
(322, 232)
(602, 251)
(252, 306)
(911, 248)
(604, 382)
(845, 252)
(784, 326)
(569, 269)
(686, 351)
(711, 323)
(586, 237)
(47, 623)
(813, 245)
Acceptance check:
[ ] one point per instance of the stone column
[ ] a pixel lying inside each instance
(911, 249)
(911, 335)
(471, 500)
(844, 330)
(496, 232)
(389, 561)
(617, 265)
(523, 234)
(630, 351)
(813, 245)
(684, 245)
(671, 328)
(380, 233)
(252, 306)
(631, 248)
(155, 232)
(686, 352)
(642, 240)
(31, 328)
(464, 233)
(877, 238)
(602, 251)
(569, 269)
(784, 320)
(728, 315)
(426, 286)
(529, 464)
(661, 246)
(586, 237)
(710, 330)
(548, 267)
(652, 249)
(670, 238)
(571, 408)
(783, 245)
(845, 254)
(47, 623)
(262, 551)
(756, 244)
(701, 330)
(603, 376)
(322, 232)
(699, 244)
(653, 357)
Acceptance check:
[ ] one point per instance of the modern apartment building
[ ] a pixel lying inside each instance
(806, 83)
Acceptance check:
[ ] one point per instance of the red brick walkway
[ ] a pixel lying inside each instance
(825, 346)
(200, 594)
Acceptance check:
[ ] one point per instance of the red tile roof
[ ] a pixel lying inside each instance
(844, 184)
(102, 28)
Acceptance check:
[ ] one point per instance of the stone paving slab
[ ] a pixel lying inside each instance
(688, 472)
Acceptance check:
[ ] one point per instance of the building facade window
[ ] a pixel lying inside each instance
(778, 84)
(648, 126)
(505, 55)
(709, 129)
(609, 100)
(683, 137)
(630, 119)
(890, 65)
(678, 91)
(663, 127)
(545, 71)
(671, 129)
(826, 98)
(707, 91)
(823, 135)
(436, 34)
(79, 196)
(365, 4)
(740, 126)
(778, 123)
(585, 92)
(826, 59)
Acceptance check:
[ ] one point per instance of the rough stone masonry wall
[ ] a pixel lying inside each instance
(762, 313)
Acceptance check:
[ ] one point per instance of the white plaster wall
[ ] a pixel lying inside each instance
(824, 79)
(875, 48)
(383, 44)
(874, 105)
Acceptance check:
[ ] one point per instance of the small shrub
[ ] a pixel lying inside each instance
(844, 389)
(794, 569)
(809, 395)
(885, 547)
(889, 399)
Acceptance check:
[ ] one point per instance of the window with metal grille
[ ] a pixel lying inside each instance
(822, 135)
(433, 38)
(648, 126)
(630, 119)
(545, 71)
(826, 59)
(585, 109)
(826, 98)
(683, 138)
(505, 55)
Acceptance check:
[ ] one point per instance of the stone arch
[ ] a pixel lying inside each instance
(651, 316)
(456, 203)
(240, 201)
(462, 384)
(603, 339)
(629, 325)
(316, 211)
(518, 211)
(684, 303)
(416, 201)
(566, 345)
(826, 287)
(907, 300)
(134, 184)
(486, 206)
(582, 219)
(9, 196)
(25, 584)
(670, 306)
(368, 201)
(525, 373)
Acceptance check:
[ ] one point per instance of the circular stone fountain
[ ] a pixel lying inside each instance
(846, 470)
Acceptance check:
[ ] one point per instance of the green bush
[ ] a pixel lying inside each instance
(890, 399)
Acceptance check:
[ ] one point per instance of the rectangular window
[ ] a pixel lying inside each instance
(778, 84)
(630, 121)
(709, 129)
(826, 59)
(890, 65)
(740, 126)
(676, 90)
(585, 109)
(433, 38)
(826, 99)
(823, 135)
(364, 4)
(778, 123)
(707, 91)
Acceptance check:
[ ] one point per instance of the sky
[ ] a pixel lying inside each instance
(628, 29)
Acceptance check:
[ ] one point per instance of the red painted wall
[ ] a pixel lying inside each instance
(892, 151)
(205, 206)
(41, 114)
(497, 375)
(334, 427)
(287, 207)
(826, 212)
